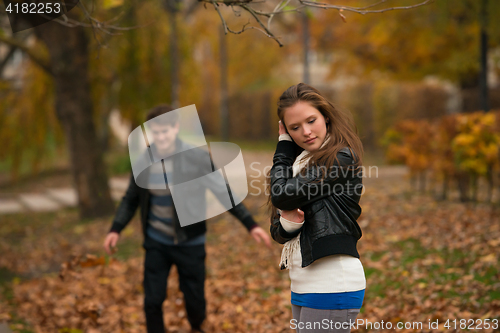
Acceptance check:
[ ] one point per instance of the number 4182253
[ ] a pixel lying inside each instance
(477, 324)
(34, 8)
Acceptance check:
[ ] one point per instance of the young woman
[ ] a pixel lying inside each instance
(315, 187)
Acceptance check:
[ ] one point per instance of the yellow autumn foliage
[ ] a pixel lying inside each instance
(467, 143)
(476, 148)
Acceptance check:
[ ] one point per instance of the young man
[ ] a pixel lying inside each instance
(165, 241)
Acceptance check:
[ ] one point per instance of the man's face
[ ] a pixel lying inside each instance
(164, 136)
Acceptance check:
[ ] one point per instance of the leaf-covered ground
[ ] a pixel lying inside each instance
(424, 260)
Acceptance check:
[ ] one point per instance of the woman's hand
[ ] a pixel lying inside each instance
(282, 129)
(295, 215)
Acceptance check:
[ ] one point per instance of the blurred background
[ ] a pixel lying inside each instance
(422, 84)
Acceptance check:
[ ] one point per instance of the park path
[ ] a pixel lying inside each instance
(4, 328)
(53, 199)
(56, 198)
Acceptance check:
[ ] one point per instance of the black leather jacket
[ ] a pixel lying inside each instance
(330, 206)
(191, 163)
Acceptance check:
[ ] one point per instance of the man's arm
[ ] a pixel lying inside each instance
(124, 214)
(127, 207)
(216, 183)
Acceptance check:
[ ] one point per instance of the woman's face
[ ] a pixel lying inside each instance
(306, 125)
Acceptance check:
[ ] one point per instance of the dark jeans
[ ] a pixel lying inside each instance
(190, 262)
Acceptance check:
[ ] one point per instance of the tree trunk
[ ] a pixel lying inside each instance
(474, 185)
(483, 76)
(305, 35)
(490, 185)
(413, 182)
(422, 179)
(174, 58)
(444, 193)
(463, 180)
(69, 64)
(224, 94)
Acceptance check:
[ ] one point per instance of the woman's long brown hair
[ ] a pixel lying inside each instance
(341, 130)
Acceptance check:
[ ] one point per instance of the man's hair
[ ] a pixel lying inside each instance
(167, 113)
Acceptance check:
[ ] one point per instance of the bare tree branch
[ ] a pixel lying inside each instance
(100, 29)
(373, 5)
(224, 24)
(5, 60)
(361, 10)
(21, 38)
(276, 10)
(268, 14)
(236, 12)
(243, 29)
(43, 63)
(267, 32)
(282, 4)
